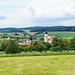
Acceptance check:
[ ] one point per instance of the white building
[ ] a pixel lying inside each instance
(48, 38)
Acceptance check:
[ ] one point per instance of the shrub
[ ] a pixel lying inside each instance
(57, 48)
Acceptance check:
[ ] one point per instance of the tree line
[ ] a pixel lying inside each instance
(11, 46)
(56, 28)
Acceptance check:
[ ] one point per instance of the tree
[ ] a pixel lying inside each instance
(12, 47)
(30, 48)
(34, 43)
(67, 44)
(41, 39)
(57, 48)
(40, 48)
(73, 43)
(57, 44)
(26, 49)
(47, 45)
(30, 38)
(21, 48)
(4, 44)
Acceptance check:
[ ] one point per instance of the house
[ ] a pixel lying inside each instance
(28, 41)
(48, 38)
(8, 38)
(25, 43)
(1, 36)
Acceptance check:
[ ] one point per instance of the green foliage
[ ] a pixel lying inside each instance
(26, 49)
(47, 45)
(73, 43)
(4, 44)
(57, 28)
(30, 48)
(41, 39)
(67, 44)
(57, 48)
(21, 48)
(34, 43)
(30, 38)
(57, 44)
(40, 47)
(12, 47)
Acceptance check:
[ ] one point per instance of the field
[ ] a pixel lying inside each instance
(38, 65)
(60, 34)
(28, 31)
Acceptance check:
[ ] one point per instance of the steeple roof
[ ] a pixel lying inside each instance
(46, 32)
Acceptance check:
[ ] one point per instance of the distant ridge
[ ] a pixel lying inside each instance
(42, 28)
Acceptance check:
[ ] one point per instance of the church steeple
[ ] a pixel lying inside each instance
(46, 32)
(46, 36)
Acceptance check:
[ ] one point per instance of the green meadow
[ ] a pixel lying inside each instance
(60, 34)
(2, 33)
(38, 65)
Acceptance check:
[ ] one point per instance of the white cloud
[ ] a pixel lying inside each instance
(15, 2)
(52, 8)
(38, 10)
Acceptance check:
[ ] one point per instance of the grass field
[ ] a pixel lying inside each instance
(28, 31)
(2, 33)
(60, 34)
(38, 65)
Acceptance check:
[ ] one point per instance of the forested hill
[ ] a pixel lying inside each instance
(41, 29)
(55, 28)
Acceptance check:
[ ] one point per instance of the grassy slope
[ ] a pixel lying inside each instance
(38, 65)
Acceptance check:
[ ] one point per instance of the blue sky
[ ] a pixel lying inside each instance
(27, 13)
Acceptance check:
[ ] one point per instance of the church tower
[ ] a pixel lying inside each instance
(46, 37)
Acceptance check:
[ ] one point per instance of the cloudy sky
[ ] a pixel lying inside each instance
(26, 13)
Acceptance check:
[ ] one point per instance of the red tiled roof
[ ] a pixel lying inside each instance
(50, 38)
(24, 44)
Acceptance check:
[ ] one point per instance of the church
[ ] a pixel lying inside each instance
(48, 38)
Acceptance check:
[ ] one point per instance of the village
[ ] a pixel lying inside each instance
(26, 40)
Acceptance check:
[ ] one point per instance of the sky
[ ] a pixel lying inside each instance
(28, 13)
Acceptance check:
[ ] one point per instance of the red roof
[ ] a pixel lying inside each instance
(24, 44)
(50, 38)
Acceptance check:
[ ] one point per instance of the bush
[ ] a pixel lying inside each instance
(57, 48)
(30, 48)
(40, 48)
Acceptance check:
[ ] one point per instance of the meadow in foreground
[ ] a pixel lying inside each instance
(38, 65)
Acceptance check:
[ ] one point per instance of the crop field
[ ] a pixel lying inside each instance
(38, 65)
(6, 33)
(60, 34)
(28, 31)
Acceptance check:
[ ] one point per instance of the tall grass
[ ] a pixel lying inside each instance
(37, 54)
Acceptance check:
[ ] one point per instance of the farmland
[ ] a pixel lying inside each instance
(60, 34)
(43, 65)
